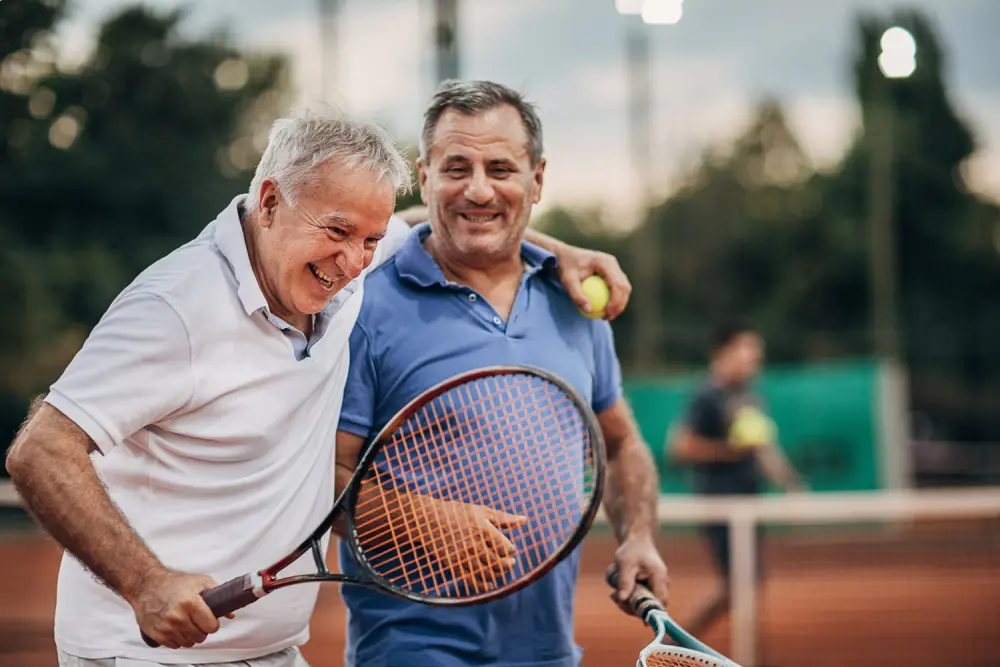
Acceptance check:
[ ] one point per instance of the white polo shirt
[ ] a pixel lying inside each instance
(216, 434)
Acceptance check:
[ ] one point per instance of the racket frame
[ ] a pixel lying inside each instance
(598, 454)
(266, 580)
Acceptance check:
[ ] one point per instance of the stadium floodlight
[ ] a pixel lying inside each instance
(662, 12)
(629, 7)
(898, 59)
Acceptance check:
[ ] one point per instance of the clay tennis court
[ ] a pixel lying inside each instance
(921, 598)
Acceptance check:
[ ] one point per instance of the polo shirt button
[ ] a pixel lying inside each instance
(497, 321)
(472, 297)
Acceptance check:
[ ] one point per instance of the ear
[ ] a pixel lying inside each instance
(539, 178)
(422, 179)
(267, 202)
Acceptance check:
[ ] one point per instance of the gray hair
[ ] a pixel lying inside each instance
(473, 97)
(299, 143)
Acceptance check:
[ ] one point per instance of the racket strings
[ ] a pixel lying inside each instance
(428, 518)
(666, 660)
(665, 656)
(464, 562)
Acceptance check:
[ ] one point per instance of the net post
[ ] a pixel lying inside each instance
(743, 566)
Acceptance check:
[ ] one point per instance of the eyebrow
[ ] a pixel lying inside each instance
(338, 219)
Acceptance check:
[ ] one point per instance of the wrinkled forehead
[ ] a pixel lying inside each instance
(496, 133)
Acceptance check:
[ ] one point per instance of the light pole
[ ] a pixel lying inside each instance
(446, 40)
(897, 60)
(645, 241)
(329, 11)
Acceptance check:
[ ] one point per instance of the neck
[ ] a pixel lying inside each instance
(473, 272)
(250, 236)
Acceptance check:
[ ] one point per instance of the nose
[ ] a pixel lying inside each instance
(351, 260)
(479, 191)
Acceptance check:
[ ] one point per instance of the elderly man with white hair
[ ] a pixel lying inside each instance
(191, 439)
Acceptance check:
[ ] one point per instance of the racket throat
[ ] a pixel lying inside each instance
(258, 582)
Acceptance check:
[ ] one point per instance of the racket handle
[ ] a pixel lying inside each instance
(223, 599)
(641, 601)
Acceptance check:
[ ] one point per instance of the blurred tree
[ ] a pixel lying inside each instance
(109, 165)
(947, 269)
(754, 229)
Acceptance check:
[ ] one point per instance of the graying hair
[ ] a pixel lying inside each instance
(473, 97)
(299, 143)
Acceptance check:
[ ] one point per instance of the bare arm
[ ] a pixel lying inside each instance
(346, 460)
(777, 468)
(630, 499)
(49, 464)
(632, 485)
(689, 447)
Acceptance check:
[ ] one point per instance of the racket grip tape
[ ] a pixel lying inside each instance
(642, 601)
(223, 599)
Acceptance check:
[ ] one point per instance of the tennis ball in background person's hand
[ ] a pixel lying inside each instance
(751, 428)
(597, 293)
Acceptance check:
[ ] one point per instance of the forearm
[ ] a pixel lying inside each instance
(61, 489)
(631, 491)
(696, 449)
(776, 468)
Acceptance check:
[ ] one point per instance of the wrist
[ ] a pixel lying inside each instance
(132, 587)
(639, 535)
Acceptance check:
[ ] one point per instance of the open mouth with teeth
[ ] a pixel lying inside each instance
(325, 281)
(480, 219)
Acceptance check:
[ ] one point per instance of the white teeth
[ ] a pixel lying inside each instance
(471, 218)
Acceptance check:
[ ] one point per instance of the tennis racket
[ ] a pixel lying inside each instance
(476, 488)
(689, 652)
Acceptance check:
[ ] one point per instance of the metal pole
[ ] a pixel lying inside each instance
(645, 242)
(881, 199)
(328, 14)
(743, 587)
(446, 28)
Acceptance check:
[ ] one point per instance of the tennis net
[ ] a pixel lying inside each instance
(884, 578)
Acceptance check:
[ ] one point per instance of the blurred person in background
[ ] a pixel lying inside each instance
(730, 444)
(191, 438)
(466, 291)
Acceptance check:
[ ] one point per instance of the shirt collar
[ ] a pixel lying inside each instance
(232, 244)
(415, 264)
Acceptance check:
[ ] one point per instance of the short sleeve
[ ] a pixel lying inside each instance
(357, 415)
(704, 415)
(132, 371)
(607, 369)
(395, 235)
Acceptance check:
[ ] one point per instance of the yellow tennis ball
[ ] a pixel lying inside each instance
(598, 293)
(751, 428)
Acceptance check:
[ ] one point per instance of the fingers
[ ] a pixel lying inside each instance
(504, 520)
(626, 579)
(572, 281)
(608, 268)
(199, 612)
(659, 583)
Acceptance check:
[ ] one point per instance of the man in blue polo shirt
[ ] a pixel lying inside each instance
(466, 291)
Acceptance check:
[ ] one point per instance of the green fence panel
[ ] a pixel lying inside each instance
(827, 418)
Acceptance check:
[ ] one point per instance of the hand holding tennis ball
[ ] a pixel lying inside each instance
(597, 293)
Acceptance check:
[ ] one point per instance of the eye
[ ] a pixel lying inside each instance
(371, 243)
(339, 232)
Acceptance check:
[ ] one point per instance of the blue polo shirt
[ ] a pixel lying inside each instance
(415, 330)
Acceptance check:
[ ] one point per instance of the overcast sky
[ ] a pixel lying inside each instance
(568, 55)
